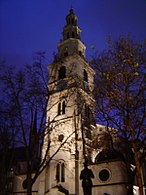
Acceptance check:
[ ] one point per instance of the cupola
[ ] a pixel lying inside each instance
(71, 30)
(71, 18)
(71, 43)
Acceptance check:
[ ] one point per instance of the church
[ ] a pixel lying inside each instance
(71, 110)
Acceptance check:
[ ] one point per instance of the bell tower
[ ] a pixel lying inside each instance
(71, 43)
(70, 112)
(71, 30)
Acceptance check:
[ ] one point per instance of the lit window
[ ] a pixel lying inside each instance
(60, 172)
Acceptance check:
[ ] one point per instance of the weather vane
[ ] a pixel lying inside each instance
(70, 1)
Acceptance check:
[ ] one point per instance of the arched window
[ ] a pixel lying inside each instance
(62, 73)
(80, 53)
(85, 76)
(66, 51)
(60, 172)
(73, 35)
(61, 107)
(68, 35)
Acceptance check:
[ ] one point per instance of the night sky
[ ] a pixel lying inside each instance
(29, 26)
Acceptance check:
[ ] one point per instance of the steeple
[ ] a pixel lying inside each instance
(71, 43)
(71, 30)
(71, 18)
(70, 108)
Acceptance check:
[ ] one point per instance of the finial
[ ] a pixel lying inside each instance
(71, 10)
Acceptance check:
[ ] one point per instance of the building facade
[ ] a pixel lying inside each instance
(71, 111)
(71, 85)
(72, 130)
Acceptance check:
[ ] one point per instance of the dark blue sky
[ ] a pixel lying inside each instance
(29, 26)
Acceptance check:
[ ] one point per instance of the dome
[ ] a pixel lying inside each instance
(71, 18)
(108, 155)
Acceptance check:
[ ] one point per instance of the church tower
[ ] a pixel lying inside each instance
(71, 110)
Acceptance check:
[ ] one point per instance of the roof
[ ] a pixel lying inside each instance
(109, 155)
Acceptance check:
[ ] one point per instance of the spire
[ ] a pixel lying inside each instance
(71, 43)
(71, 18)
(71, 30)
(71, 10)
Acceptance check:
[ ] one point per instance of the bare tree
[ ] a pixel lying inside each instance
(8, 133)
(121, 96)
(27, 95)
(6, 142)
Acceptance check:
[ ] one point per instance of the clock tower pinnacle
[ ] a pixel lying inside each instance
(71, 43)
(71, 30)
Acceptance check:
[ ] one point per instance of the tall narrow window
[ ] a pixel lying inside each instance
(66, 50)
(61, 107)
(87, 111)
(62, 73)
(60, 172)
(85, 76)
(73, 35)
(68, 35)
(80, 53)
